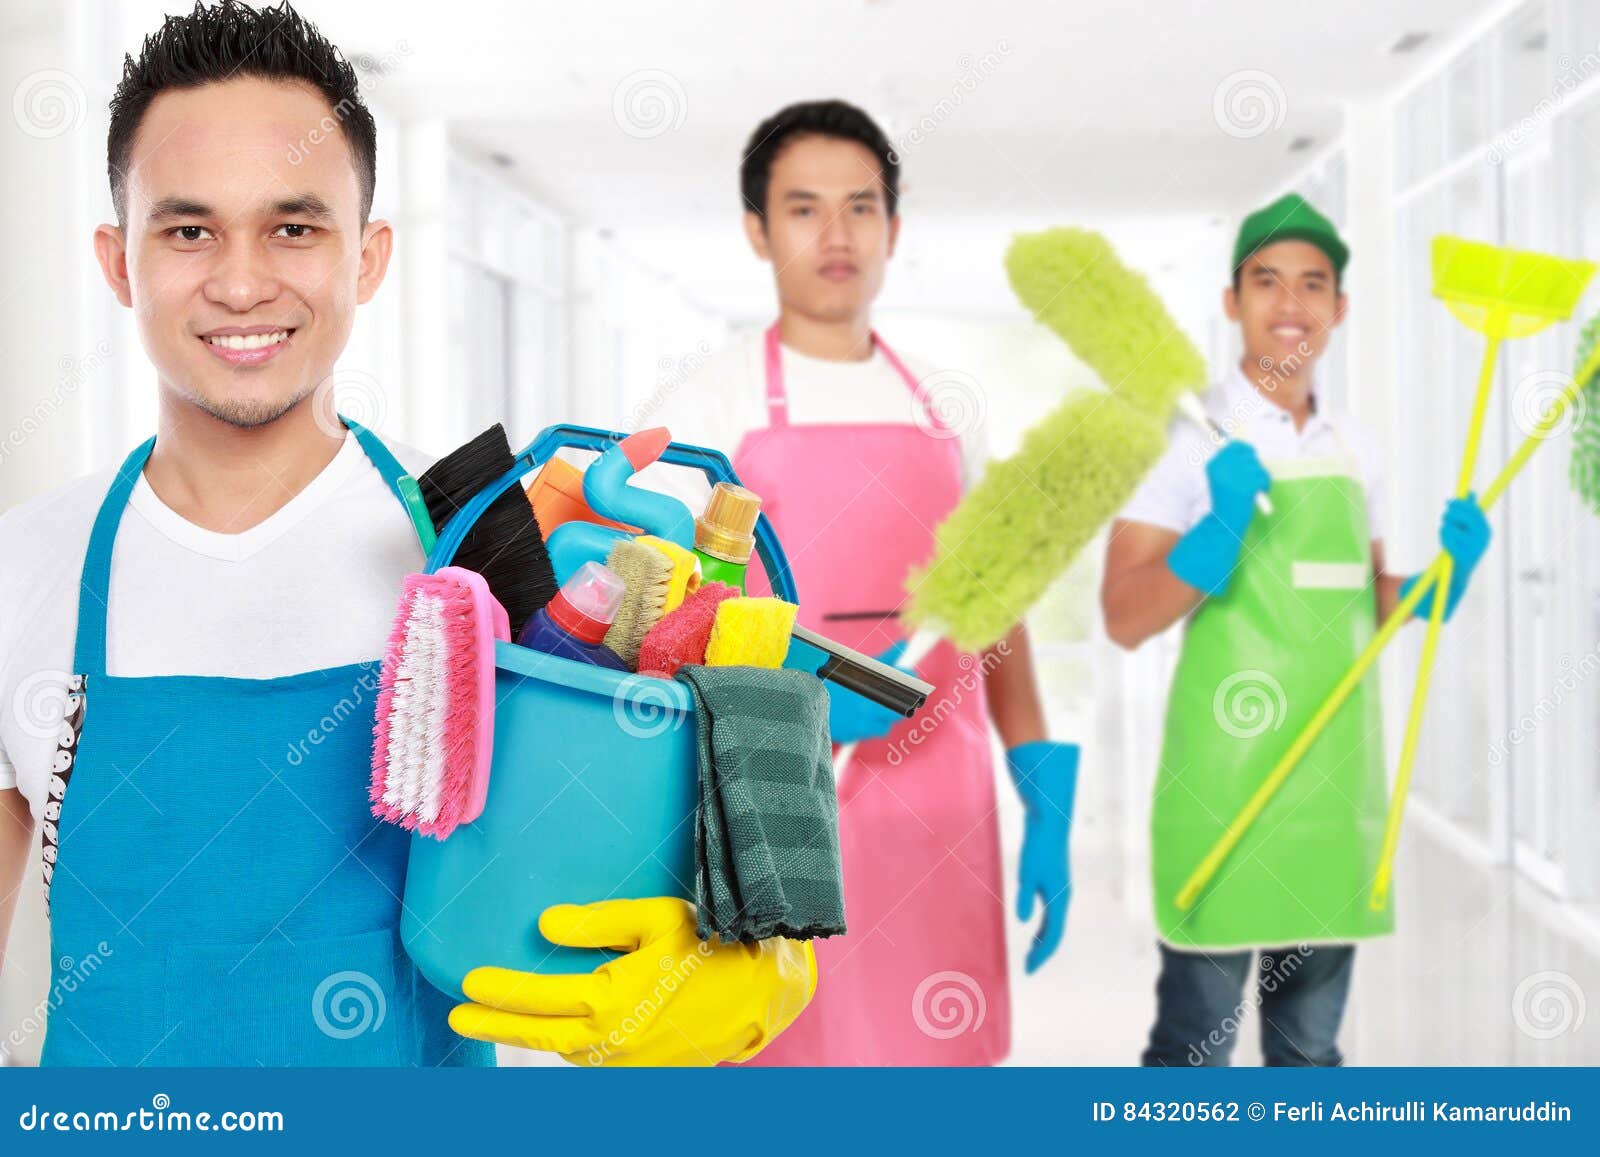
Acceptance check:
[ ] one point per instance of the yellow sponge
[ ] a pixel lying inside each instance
(751, 633)
(685, 569)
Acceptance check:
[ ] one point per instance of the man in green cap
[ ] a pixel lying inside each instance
(1279, 598)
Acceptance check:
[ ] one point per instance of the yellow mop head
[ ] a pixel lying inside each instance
(1029, 515)
(1073, 281)
(751, 632)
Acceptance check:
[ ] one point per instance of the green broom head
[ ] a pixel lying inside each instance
(1584, 470)
(1072, 281)
(1030, 514)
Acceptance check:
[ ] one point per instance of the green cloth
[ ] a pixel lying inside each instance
(767, 828)
(1290, 218)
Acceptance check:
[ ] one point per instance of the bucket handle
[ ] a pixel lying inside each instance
(713, 463)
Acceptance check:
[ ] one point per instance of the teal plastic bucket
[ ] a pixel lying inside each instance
(592, 791)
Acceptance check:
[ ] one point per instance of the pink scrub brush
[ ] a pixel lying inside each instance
(681, 635)
(435, 730)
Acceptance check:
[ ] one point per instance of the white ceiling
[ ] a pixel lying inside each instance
(1088, 107)
(1103, 113)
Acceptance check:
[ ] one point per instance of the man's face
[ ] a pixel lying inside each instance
(244, 253)
(1286, 305)
(827, 231)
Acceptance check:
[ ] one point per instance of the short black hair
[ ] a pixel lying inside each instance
(220, 41)
(814, 118)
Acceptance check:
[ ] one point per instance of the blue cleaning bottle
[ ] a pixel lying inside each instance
(573, 623)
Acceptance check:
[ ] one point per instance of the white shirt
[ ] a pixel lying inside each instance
(725, 399)
(1175, 495)
(312, 586)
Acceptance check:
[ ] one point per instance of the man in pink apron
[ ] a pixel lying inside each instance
(856, 468)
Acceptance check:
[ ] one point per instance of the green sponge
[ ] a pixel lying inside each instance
(1584, 470)
(1022, 524)
(1073, 281)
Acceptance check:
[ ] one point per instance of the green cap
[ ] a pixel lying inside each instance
(1290, 218)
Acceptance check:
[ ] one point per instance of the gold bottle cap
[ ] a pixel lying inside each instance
(724, 530)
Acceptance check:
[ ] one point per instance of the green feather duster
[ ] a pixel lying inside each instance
(1030, 514)
(1584, 470)
(1073, 281)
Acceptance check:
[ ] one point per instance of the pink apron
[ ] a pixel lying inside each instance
(920, 979)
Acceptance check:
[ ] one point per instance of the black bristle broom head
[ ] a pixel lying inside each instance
(505, 545)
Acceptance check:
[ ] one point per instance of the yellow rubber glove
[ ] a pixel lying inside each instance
(671, 1000)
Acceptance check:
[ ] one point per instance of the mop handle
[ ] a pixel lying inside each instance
(1378, 900)
(920, 645)
(1235, 831)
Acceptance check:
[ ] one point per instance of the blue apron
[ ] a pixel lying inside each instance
(219, 892)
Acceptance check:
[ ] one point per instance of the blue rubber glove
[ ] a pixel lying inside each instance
(1046, 775)
(1464, 534)
(1205, 557)
(852, 717)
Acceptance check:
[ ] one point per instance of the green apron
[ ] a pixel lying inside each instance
(1256, 664)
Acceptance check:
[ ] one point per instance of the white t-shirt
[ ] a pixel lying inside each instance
(312, 586)
(725, 398)
(1175, 495)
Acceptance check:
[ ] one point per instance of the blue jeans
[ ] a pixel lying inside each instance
(1300, 992)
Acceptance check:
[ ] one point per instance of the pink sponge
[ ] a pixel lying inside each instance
(681, 635)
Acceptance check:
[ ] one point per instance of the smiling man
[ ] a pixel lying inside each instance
(189, 644)
(1276, 607)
